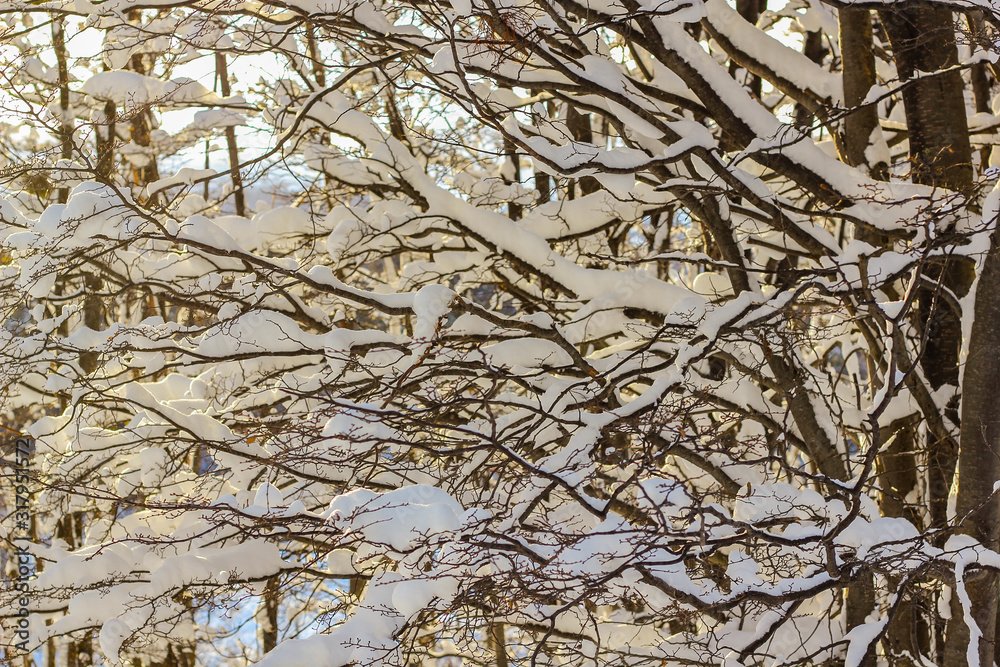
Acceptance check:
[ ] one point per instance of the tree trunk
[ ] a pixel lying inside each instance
(579, 126)
(65, 133)
(858, 77)
(908, 634)
(751, 10)
(93, 318)
(269, 628)
(923, 41)
(812, 48)
(977, 506)
(79, 652)
(142, 122)
(222, 71)
(497, 644)
(106, 137)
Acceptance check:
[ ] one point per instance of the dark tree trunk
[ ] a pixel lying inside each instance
(141, 133)
(269, 633)
(65, 133)
(923, 41)
(514, 210)
(977, 506)
(93, 318)
(908, 633)
(497, 644)
(222, 71)
(106, 138)
(751, 11)
(579, 126)
(79, 652)
(859, 77)
(812, 48)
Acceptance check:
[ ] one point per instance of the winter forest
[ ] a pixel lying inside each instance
(500, 333)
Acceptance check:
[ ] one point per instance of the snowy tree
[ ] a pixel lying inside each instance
(503, 332)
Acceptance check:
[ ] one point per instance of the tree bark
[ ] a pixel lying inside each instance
(106, 137)
(977, 506)
(142, 123)
(858, 77)
(222, 71)
(79, 652)
(923, 42)
(65, 134)
(751, 10)
(514, 210)
(812, 48)
(908, 633)
(93, 318)
(269, 631)
(579, 126)
(496, 641)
